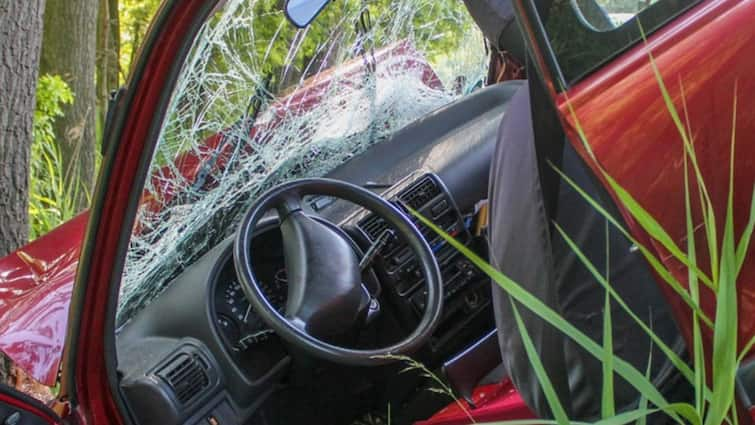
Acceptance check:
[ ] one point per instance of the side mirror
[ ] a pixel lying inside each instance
(302, 12)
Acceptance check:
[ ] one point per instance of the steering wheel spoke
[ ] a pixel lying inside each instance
(289, 203)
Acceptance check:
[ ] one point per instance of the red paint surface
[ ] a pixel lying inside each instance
(495, 402)
(634, 140)
(708, 51)
(35, 292)
(86, 347)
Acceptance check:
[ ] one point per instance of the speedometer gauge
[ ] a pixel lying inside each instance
(276, 289)
(254, 347)
(236, 302)
(229, 327)
(236, 318)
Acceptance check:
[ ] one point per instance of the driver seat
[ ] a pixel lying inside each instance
(526, 198)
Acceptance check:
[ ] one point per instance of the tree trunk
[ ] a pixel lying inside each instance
(69, 50)
(20, 40)
(108, 54)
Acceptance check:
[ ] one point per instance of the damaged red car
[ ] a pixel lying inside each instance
(253, 253)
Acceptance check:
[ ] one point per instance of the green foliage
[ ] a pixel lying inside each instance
(51, 200)
(552, 317)
(433, 28)
(52, 94)
(439, 32)
(542, 375)
(135, 17)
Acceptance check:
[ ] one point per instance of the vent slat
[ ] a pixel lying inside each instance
(420, 193)
(186, 375)
(416, 196)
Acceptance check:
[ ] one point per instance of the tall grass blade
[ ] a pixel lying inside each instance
(744, 243)
(725, 331)
(697, 342)
(542, 376)
(621, 367)
(607, 408)
(672, 356)
(653, 228)
(708, 214)
(652, 260)
(685, 135)
(643, 404)
(442, 388)
(648, 223)
(746, 349)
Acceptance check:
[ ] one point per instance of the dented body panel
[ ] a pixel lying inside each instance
(35, 292)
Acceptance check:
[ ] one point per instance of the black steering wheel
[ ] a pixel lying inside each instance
(326, 297)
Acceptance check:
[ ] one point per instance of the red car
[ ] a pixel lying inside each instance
(249, 256)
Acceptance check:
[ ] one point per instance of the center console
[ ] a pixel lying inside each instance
(467, 308)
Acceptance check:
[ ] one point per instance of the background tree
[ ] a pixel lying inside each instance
(20, 40)
(69, 50)
(108, 54)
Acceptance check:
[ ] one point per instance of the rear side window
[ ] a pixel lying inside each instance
(584, 34)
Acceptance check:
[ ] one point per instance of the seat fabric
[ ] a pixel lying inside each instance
(525, 246)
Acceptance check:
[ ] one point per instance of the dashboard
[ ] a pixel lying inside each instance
(234, 316)
(199, 350)
(254, 346)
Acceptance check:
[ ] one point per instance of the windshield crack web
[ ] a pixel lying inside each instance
(259, 102)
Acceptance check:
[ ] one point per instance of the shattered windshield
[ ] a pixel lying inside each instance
(259, 102)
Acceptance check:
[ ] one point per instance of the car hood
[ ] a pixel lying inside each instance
(35, 292)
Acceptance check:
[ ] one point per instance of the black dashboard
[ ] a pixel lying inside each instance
(200, 351)
(254, 346)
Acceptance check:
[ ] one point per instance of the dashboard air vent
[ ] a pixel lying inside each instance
(373, 226)
(416, 196)
(420, 193)
(187, 376)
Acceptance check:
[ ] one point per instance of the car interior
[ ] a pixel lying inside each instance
(203, 362)
(308, 312)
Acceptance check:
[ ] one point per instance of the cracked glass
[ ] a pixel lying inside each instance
(259, 102)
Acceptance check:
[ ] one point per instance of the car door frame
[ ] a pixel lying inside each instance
(88, 385)
(25, 405)
(674, 45)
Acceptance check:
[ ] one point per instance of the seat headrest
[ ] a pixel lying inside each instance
(495, 18)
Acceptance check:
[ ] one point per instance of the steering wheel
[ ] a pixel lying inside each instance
(326, 297)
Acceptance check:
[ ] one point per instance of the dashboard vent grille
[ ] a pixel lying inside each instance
(187, 376)
(416, 196)
(420, 193)
(373, 226)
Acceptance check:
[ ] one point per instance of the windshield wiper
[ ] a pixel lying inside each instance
(244, 126)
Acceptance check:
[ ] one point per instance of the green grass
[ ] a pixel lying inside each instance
(713, 404)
